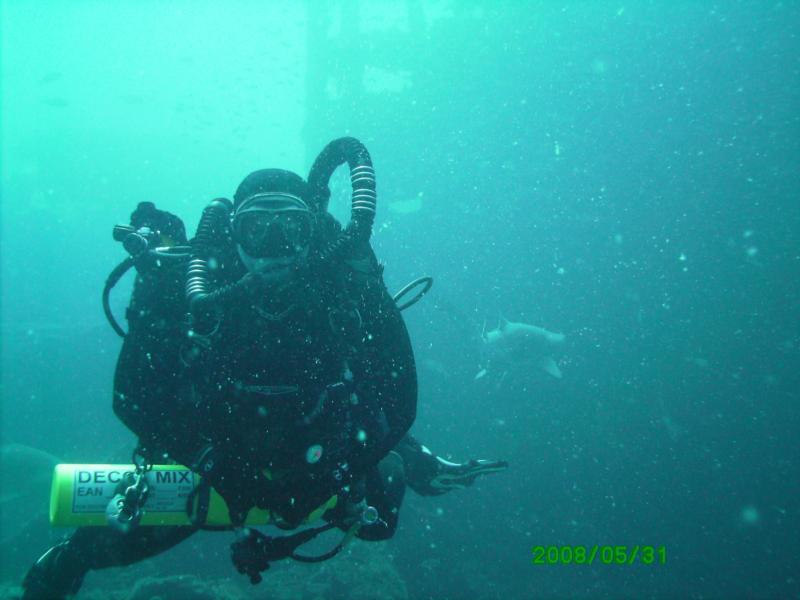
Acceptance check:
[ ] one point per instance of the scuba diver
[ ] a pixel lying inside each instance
(268, 357)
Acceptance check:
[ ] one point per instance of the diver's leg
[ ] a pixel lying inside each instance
(431, 475)
(60, 570)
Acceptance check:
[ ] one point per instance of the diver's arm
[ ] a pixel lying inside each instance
(387, 360)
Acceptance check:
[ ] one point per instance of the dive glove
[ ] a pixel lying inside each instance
(252, 552)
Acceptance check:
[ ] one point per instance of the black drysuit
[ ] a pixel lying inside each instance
(313, 382)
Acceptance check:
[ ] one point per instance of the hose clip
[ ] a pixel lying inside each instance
(124, 511)
(126, 508)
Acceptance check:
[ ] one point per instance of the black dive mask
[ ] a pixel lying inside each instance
(272, 225)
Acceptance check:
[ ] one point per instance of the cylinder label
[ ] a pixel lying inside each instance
(94, 488)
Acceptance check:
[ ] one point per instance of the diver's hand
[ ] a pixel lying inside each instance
(252, 552)
(250, 555)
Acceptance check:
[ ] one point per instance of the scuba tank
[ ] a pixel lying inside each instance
(81, 494)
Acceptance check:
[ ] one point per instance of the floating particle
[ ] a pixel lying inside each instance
(750, 515)
(313, 454)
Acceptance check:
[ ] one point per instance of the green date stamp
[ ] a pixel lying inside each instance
(599, 554)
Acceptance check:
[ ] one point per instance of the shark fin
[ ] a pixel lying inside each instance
(549, 365)
(502, 323)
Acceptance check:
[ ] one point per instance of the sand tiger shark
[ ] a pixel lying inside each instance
(520, 346)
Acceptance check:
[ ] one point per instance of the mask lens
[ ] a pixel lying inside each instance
(271, 234)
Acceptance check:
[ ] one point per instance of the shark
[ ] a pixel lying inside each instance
(515, 345)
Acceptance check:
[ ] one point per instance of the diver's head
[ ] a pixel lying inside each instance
(272, 221)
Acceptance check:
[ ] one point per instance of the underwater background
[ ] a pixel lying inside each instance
(626, 173)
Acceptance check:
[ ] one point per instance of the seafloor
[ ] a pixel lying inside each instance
(362, 571)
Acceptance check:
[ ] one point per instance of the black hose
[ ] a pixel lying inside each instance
(427, 280)
(213, 222)
(204, 301)
(111, 281)
(327, 555)
(362, 179)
